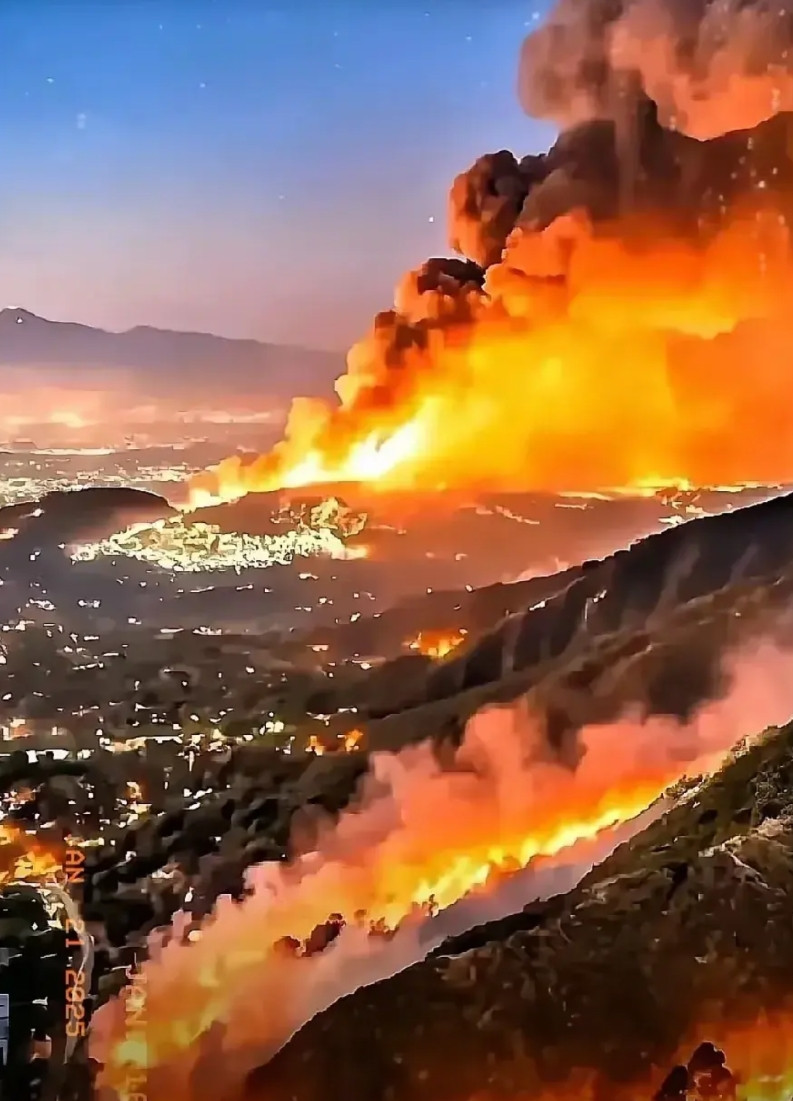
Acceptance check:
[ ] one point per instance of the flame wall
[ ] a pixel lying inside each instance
(420, 838)
(621, 316)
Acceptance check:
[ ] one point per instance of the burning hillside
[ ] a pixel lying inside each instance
(430, 822)
(681, 935)
(505, 821)
(621, 317)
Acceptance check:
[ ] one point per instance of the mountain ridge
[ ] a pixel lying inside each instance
(27, 339)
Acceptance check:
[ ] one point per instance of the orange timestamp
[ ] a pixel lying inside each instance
(73, 862)
(75, 1003)
(72, 871)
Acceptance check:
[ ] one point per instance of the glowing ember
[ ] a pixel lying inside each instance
(352, 740)
(23, 857)
(315, 746)
(437, 644)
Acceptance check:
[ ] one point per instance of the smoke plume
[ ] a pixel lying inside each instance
(621, 315)
(426, 851)
(710, 66)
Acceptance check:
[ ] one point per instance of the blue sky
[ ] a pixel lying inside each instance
(248, 167)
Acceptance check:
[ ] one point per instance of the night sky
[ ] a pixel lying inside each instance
(260, 168)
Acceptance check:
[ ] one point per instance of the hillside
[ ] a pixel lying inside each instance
(63, 514)
(687, 926)
(666, 658)
(626, 595)
(669, 663)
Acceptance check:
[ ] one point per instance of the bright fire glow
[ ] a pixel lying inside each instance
(315, 746)
(588, 362)
(437, 644)
(759, 1057)
(759, 1052)
(369, 460)
(24, 857)
(352, 740)
(454, 832)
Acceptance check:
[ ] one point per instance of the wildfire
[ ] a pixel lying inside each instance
(586, 361)
(748, 1060)
(437, 644)
(24, 857)
(760, 1054)
(371, 460)
(454, 833)
(620, 314)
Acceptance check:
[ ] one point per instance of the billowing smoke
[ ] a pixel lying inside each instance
(624, 299)
(710, 66)
(427, 850)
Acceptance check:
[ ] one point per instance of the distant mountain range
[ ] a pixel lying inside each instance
(28, 340)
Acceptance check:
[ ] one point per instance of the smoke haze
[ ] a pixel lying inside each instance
(506, 822)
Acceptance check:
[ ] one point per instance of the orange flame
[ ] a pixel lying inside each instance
(760, 1054)
(24, 857)
(352, 740)
(759, 1067)
(315, 746)
(437, 644)
(457, 832)
(588, 361)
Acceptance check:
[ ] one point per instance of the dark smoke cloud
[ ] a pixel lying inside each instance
(676, 111)
(485, 201)
(711, 66)
(609, 169)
